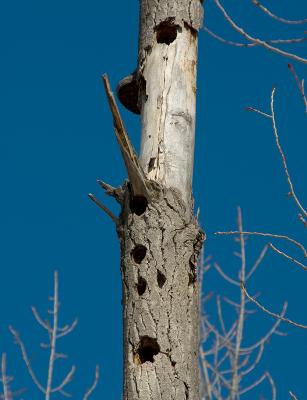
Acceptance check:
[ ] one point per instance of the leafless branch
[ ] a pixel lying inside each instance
(272, 383)
(26, 359)
(94, 384)
(276, 17)
(240, 326)
(272, 314)
(54, 333)
(43, 324)
(253, 385)
(287, 256)
(225, 276)
(65, 381)
(269, 334)
(258, 112)
(104, 208)
(67, 329)
(265, 234)
(283, 158)
(300, 83)
(238, 44)
(257, 262)
(5, 379)
(293, 397)
(259, 42)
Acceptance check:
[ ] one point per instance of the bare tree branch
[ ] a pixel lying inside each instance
(238, 44)
(259, 42)
(54, 333)
(272, 383)
(104, 208)
(287, 257)
(240, 327)
(257, 262)
(283, 158)
(5, 379)
(276, 17)
(26, 359)
(253, 385)
(300, 84)
(273, 235)
(94, 384)
(278, 316)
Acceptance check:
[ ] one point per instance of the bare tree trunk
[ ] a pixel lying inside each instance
(160, 238)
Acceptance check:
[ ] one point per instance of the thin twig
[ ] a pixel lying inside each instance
(67, 329)
(257, 263)
(65, 381)
(293, 397)
(26, 359)
(117, 193)
(283, 158)
(5, 379)
(255, 40)
(53, 336)
(269, 334)
(288, 257)
(40, 321)
(258, 112)
(237, 306)
(225, 276)
(298, 244)
(256, 362)
(272, 314)
(94, 384)
(204, 370)
(253, 385)
(240, 326)
(272, 383)
(274, 16)
(238, 44)
(104, 208)
(300, 84)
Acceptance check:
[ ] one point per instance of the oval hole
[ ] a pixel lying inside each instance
(138, 253)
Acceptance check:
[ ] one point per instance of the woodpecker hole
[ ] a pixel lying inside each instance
(147, 349)
(138, 204)
(141, 286)
(138, 253)
(166, 32)
(161, 279)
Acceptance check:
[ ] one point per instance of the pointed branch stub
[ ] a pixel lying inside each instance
(134, 170)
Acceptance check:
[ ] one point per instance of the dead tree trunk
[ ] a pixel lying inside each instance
(160, 238)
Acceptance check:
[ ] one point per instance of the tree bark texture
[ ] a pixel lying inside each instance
(160, 238)
(159, 251)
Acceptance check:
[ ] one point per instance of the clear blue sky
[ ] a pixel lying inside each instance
(56, 138)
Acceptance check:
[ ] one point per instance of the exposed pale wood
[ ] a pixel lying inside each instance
(167, 91)
(168, 114)
(160, 240)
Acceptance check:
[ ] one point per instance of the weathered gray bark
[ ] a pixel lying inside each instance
(160, 238)
(160, 299)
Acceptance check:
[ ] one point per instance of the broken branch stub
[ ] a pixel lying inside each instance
(134, 170)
